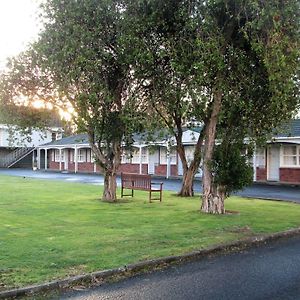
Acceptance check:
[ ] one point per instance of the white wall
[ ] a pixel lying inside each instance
(17, 139)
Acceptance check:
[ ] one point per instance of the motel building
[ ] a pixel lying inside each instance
(278, 161)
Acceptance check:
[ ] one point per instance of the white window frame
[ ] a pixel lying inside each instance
(144, 155)
(283, 155)
(56, 155)
(260, 155)
(163, 156)
(88, 155)
(126, 157)
(81, 155)
(135, 159)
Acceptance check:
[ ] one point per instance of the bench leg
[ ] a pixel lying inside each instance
(150, 196)
(122, 192)
(131, 193)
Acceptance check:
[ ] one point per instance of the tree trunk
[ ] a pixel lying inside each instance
(212, 198)
(189, 171)
(187, 187)
(110, 187)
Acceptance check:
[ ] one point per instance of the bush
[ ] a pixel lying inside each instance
(230, 166)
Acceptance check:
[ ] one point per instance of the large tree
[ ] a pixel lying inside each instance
(257, 63)
(165, 34)
(211, 59)
(81, 60)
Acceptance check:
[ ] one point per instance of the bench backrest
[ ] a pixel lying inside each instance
(136, 180)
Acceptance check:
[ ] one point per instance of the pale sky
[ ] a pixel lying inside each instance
(19, 25)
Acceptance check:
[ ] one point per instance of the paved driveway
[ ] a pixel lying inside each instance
(264, 191)
(268, 272)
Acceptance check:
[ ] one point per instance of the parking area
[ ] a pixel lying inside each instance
(264, 191)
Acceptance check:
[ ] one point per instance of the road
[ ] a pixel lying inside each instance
(278, 192)
(268, 272)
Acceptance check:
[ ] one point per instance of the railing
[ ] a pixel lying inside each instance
(13, 157)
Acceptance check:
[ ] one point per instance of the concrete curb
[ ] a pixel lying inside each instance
(270, 199)
(96, 278)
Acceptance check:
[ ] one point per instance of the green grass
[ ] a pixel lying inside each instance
(52, 229)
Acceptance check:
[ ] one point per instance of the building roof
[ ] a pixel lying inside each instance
(292, 129)
(77, 139)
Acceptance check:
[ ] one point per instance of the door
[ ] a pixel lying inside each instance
(273, 163)
(153, 161)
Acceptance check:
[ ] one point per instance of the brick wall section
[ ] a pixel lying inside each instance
(261, 174)
(133, 168)
(87, 167)
(71, 166)
(162, 170)
(55, 165)
(291, 175)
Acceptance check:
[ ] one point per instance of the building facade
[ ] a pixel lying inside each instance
(17, 148)
(73, 154)
(278, 161)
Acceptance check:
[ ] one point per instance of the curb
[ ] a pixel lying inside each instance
(270, 199)
(98, 277)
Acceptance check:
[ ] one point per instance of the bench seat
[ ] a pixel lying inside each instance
(140, 182)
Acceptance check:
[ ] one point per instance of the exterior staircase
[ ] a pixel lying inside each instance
(10, 159)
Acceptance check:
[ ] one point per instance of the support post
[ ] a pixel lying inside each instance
(39, 158)
(141, 161)
(33, 160)
(254, 164)
(76, 159)
(168, 161)
(46, 162)
(59, 159)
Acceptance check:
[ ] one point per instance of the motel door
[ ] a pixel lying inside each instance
(273, 163)
(153, 160)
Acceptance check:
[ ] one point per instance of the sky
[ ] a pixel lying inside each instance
(19, 25)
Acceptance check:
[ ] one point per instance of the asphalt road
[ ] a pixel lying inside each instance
(268, 272)
(279, 192)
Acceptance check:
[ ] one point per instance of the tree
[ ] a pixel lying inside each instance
(258, 50)
(208, 59)
(165, 35)
(81, 60)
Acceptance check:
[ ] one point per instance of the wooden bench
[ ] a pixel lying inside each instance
(140, 182)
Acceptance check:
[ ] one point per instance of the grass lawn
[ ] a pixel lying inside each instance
(52, 229)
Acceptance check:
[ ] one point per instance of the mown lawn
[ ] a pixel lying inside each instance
(51, 229)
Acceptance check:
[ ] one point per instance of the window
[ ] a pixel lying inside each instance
(291, 156)
(260, 158)
(126, 157)
(56, 156)
(144, 155)
(53, 136)
(81, 155)
(88, 155)
(136, 155)
(163, 156)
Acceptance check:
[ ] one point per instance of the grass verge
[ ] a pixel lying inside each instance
(51, 230)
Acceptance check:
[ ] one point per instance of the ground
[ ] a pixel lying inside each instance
(52, 229)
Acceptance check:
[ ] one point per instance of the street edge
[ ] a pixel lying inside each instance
(98, 277)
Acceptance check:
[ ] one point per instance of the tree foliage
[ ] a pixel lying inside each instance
(81, 60)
